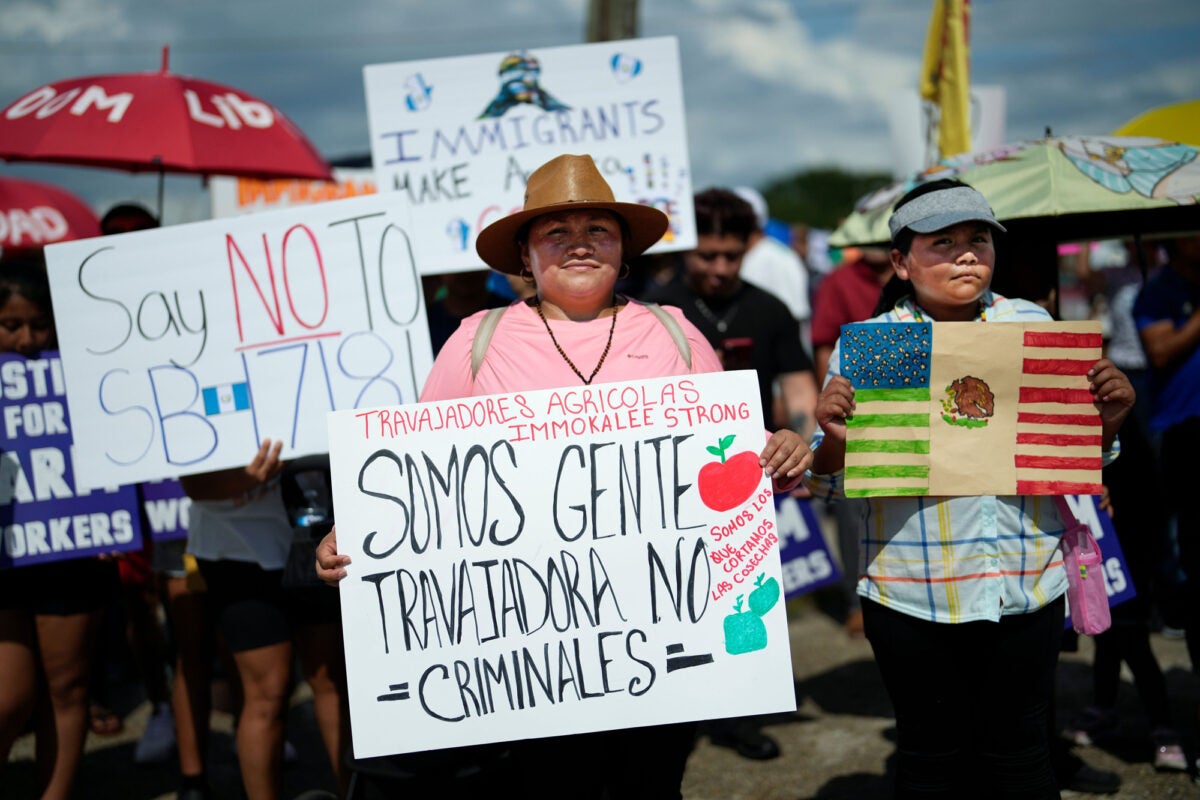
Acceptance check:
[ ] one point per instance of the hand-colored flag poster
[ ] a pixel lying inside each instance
(957, 409)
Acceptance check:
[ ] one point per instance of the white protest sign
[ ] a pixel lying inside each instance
(558, 561)
(458, 137)
(184, 347)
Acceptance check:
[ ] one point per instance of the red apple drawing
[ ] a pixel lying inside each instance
(731, 481)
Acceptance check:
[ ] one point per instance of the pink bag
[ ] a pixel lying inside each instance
(1087, 599)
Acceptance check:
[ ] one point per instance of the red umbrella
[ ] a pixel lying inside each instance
(35, 214)
(157, 121)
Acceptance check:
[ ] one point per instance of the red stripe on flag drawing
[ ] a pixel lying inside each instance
(1090, 420)
(1053, 339)
(1035, 394)
(1058, 487)
(1059, 439)
(1057, 462)
(1079, 426)
(1056, 366)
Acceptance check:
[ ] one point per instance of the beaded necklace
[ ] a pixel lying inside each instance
(588, 380)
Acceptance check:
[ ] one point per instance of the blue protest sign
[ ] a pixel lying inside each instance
(807, 562)
(43, 515)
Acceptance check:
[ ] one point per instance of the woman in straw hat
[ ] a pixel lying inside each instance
(571, 242)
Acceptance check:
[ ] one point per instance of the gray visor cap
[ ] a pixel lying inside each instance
(941, 209)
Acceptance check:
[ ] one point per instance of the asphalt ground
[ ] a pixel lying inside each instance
(837, 745)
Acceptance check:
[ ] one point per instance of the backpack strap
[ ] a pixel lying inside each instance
(483, 337)
(673, 328)
(487, 327)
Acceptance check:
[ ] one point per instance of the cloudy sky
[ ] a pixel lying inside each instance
(771, 86)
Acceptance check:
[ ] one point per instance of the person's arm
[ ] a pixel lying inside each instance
(799, 391)
(1165, 344)
(821, 355)
(226, 484)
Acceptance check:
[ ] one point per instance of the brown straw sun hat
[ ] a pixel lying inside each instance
(566, 183)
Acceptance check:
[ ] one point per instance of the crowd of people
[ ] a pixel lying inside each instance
(580, 302)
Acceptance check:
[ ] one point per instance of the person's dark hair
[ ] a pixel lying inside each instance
(720, 212)
(123, 210)
(891, 294)
(26, 276)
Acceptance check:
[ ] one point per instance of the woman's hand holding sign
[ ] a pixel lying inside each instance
(330, 565)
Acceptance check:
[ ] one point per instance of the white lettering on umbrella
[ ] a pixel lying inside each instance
(234, 111)
(47, 102)
(55, 104)
(29, 103)
(227, 112)
(41, 225)
(199, 114)
(95, 96)
(252, 112)
(51, 221)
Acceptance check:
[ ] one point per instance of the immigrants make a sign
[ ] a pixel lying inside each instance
(558, 561)
(184, 347)
(458, 137)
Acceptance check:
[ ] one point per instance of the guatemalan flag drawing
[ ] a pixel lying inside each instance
(226, 398)
(949, 408)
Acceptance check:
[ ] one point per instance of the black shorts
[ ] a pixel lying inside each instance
(248, 603)
(60, 588)
(314, 605)
(253, 609)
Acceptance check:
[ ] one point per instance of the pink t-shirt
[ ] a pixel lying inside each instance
(521, 356)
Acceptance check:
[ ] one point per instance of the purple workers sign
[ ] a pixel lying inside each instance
(166, 506)
(807, 562)
(42, 515)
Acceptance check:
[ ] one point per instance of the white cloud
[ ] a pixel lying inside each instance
(776, 46)
(60, 21)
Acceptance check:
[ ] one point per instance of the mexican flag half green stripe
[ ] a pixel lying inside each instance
(887, 448)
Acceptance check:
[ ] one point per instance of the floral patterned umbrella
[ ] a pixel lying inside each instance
(1072, 187)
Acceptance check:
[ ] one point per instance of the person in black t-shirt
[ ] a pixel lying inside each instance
(750, 329)
(748, 326)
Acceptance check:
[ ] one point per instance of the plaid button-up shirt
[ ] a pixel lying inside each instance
(956, 559)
